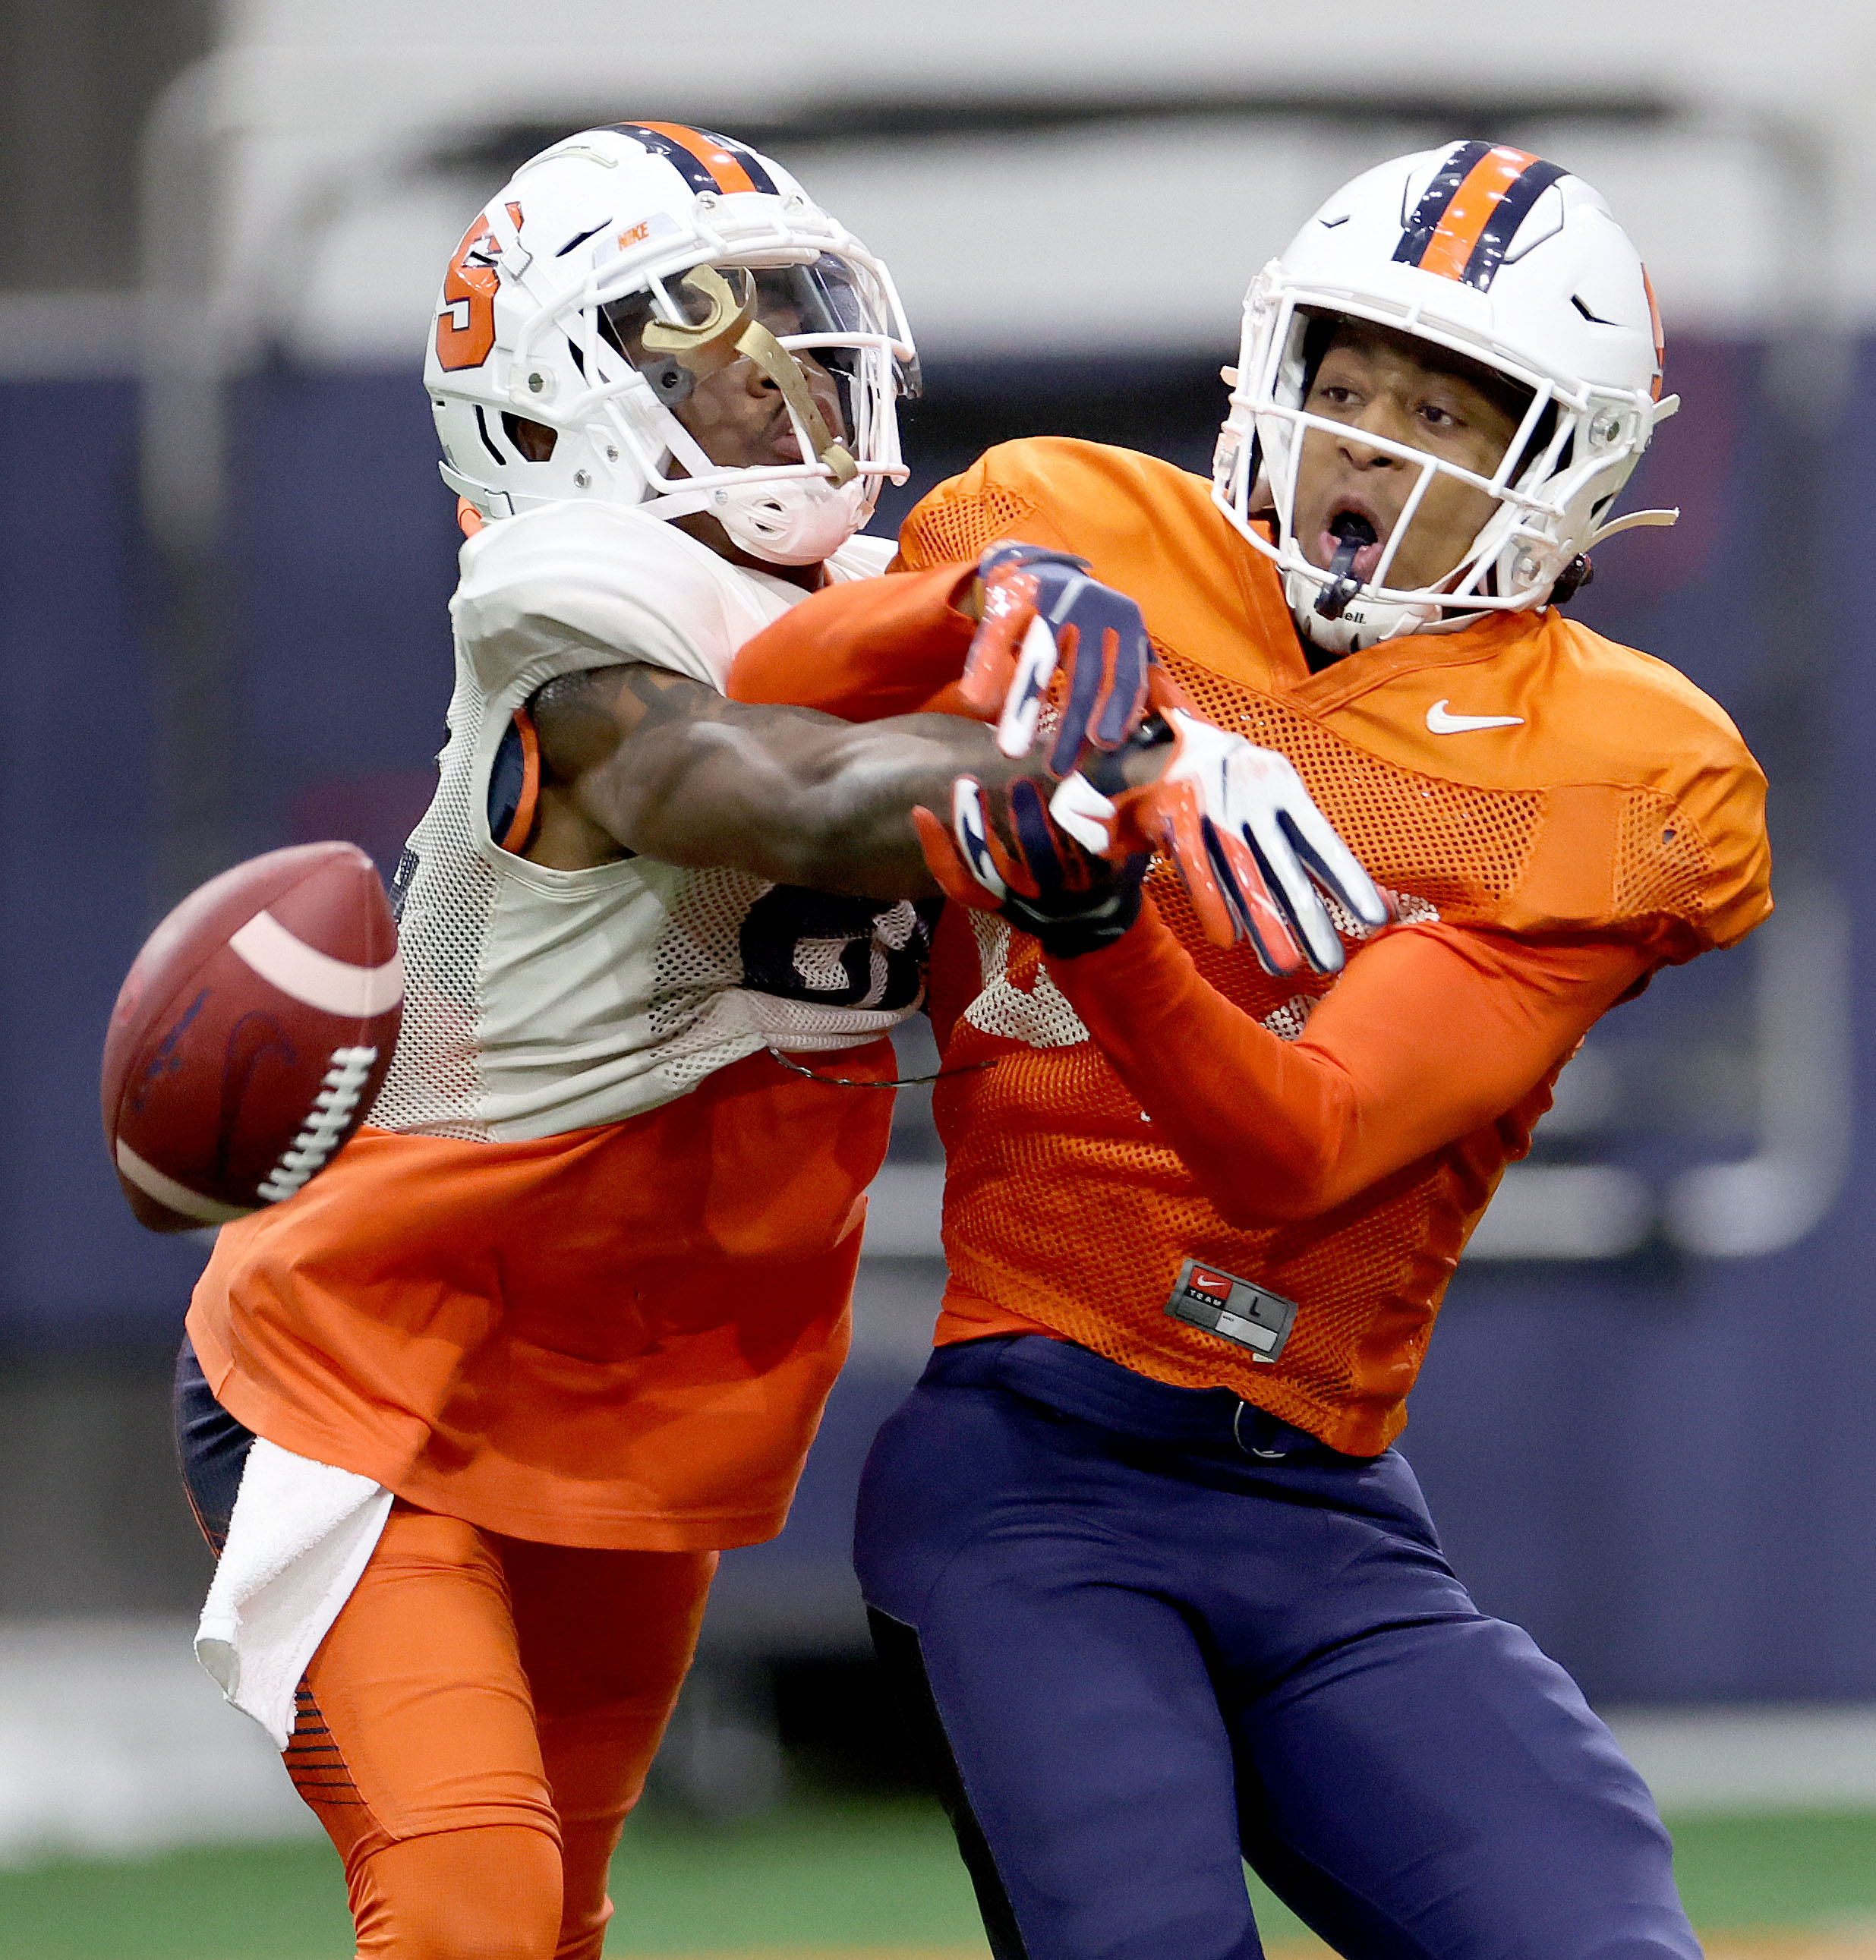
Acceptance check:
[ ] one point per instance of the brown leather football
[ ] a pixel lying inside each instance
(251, 1036)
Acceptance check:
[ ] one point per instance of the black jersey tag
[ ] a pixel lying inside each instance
(1238, 1310)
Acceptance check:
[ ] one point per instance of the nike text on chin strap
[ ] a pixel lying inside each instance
(731, 328)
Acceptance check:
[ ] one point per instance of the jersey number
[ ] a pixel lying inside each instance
(465, 329)
(835, 952)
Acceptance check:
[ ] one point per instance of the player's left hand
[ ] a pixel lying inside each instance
(1257, 856)
(1020, 865)
(1046, 627)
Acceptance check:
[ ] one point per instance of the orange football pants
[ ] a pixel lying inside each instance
(477, 1723)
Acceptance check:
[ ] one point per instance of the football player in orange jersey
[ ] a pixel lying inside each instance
(1137, 1543)
(469, 1418)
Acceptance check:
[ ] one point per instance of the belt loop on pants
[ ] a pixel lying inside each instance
(1265, 1430)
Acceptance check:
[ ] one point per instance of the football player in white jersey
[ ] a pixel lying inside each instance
(561, 1319)
(566, 1311)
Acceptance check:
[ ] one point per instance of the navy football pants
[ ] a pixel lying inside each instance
(1143, 1628)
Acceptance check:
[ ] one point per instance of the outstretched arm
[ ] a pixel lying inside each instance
(1433, 1032)
(865, 647)
(638, 760)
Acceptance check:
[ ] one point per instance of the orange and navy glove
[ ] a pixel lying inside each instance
(1259, 860)
(1025, 869)
(1049, 634)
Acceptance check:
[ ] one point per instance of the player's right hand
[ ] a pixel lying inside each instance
(1257, 856)
(1019, 864)
(1048, 631)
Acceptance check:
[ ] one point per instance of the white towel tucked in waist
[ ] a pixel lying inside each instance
(300, 1535)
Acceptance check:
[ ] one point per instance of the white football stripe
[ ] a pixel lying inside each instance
(178, 1197)
(334, 986)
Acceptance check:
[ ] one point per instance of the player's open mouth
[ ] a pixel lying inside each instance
(785, 444)
(1350, 544)
(787, 447)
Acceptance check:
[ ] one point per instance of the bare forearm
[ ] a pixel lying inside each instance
(852, 829)
(813, 802)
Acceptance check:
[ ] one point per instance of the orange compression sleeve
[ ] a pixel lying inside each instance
(1431, 1032)
(864, 649)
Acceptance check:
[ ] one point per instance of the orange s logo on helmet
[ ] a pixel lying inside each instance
(465, 327)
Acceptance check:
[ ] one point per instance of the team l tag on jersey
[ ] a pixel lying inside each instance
(1236, 1310)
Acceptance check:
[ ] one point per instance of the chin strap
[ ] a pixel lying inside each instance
(730, 328)
(669, 505)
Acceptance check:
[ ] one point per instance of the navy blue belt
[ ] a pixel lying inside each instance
(1075, 1382)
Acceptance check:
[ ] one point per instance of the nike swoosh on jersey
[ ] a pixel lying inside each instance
(1441, 723)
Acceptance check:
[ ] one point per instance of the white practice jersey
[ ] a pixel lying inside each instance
(539, 1001)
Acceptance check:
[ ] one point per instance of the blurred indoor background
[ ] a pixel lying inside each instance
(1647, 1420)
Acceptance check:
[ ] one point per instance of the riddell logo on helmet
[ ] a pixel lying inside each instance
(1203, 1283)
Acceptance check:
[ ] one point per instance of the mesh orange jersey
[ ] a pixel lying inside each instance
(1561, 814)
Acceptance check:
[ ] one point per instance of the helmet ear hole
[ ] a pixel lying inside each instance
(535, 440)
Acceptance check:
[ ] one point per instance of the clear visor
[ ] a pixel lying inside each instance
(649, 326)
(827, 308)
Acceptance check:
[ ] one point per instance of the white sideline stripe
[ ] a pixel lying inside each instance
(315, 978)
(178, 1197)
(116, 1742)
(1743, 1759)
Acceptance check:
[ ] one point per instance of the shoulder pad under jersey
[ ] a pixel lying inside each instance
(573, 586)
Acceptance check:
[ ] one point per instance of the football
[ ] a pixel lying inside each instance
(251, 1035)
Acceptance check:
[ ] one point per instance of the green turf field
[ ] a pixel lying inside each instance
(820, 1876)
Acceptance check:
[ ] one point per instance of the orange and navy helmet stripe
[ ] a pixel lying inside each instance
(704, 161)
(1465, 220)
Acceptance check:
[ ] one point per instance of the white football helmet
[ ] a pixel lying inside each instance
(1491, 253)
(678, 244)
